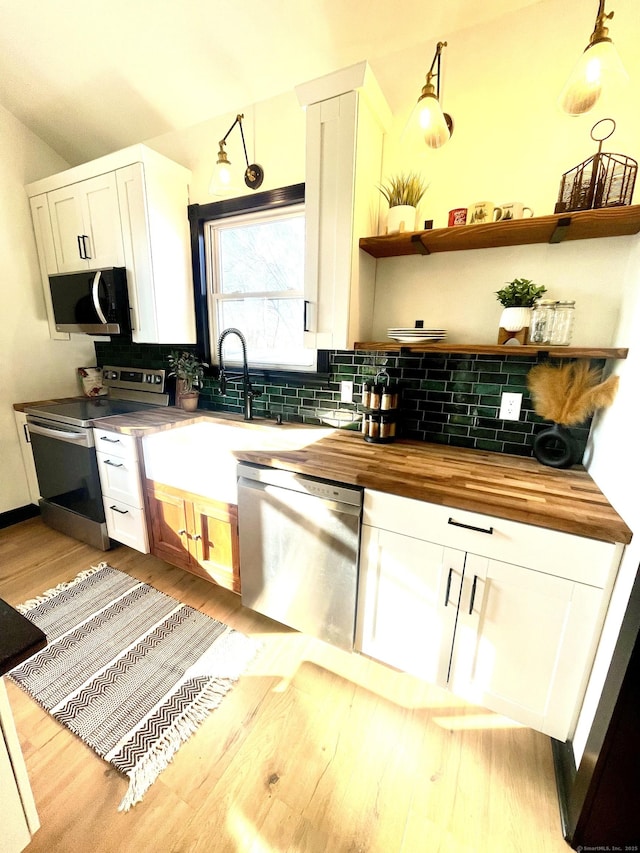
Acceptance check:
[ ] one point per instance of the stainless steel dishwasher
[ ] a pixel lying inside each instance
(299, 545)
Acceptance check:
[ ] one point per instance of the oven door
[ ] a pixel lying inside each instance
(67, 467)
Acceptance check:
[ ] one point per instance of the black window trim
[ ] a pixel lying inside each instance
(199, 215)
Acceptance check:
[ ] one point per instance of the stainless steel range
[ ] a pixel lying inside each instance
(65, 454)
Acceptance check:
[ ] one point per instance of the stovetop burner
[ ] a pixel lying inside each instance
(130, 390)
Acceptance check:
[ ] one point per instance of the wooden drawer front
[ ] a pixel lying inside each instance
(588, 561)
(119, 478)
(115, 444)
(126, 524)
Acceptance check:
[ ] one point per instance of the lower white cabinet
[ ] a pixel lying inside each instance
(19, 816)
(517, 639)
(27, 457)
(121, 486)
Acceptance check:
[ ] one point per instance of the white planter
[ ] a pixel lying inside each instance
(401, 218)
(514, 319)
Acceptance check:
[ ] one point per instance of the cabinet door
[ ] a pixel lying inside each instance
(85, 221)
(46, 256)
(523, 642)
(168, 527)
(407, 602)
(27, 456)
(331, 134)
(215, 541)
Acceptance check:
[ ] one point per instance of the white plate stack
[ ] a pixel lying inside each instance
(411, 335)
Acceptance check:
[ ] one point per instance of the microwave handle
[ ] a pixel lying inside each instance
(94, 294)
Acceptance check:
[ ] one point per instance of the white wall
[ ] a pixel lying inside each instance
(500, 82)
(32, 366)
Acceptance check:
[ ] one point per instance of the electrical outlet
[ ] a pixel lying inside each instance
(346, 391)
(510, 406)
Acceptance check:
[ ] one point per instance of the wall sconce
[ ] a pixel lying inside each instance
(222, 180)
(435, 126)
(599, 62)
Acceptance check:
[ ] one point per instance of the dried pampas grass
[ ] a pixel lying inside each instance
(569, 393)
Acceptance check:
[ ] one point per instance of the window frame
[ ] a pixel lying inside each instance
(199, 215)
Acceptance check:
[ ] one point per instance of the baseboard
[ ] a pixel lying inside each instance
(15, 516)
(564, 765)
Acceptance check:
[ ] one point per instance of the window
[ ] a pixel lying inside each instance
(237, 295)
(255, 277)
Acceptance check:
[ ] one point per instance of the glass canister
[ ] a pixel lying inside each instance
(563, 323)
(543, 316)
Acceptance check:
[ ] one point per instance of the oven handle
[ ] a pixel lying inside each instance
(96, 300)
(82, 438)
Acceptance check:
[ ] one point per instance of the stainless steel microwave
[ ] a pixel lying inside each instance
(95, 301)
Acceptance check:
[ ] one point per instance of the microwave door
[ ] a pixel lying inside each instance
(81, 303)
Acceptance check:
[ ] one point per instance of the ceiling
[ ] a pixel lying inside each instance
(90, 78)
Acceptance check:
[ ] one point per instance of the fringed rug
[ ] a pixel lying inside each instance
(128, 669)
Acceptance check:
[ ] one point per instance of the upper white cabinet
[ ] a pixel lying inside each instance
(85, 221)
(126, 209)
(346, 119)
(503, 614)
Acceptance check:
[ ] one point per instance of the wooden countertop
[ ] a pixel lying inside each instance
(512, 487)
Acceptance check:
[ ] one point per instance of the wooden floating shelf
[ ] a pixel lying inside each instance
(496, 349)
(559, 227)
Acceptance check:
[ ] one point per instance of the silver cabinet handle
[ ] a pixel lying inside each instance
(181, 532)
(110, 440)
(488, 530)
(113, 464)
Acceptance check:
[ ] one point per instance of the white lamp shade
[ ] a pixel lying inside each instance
(599, 66)
(428, 117)
(222, 180)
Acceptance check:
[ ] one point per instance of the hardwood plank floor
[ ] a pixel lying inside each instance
(314, 751)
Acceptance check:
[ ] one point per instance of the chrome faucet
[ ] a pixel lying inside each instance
(248, 392)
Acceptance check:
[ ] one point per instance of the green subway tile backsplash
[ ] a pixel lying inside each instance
(446, 399)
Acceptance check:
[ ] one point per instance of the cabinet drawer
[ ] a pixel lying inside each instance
(115, 443)
(126, 524)
(119, 478)
(577, 558)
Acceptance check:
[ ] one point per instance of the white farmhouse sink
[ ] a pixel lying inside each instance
(200, 457)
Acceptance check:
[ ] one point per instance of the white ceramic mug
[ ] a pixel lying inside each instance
(484, 211)
(516, 210)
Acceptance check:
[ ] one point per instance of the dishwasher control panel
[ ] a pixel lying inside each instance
(324, 489)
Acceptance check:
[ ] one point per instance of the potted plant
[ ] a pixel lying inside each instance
(403, 194)
(189, 373)
(517, 299)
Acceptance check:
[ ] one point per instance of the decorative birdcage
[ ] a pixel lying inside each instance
(604, 180)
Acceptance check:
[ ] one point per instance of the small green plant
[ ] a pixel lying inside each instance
(404, 189)
(187, 367)
(520, 293)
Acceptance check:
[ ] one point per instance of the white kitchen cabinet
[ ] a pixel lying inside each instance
(126, 209)
(122, 493)
(19, 816)
(346, 120)
(27, 456)
(518, 639)
(85, 222)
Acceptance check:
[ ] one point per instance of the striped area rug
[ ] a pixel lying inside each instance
(130, 670)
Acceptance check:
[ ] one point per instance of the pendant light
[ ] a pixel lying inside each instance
(598, 64)
(223, 181)
(434, 126)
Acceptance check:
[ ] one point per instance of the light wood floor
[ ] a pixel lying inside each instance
(314, 750)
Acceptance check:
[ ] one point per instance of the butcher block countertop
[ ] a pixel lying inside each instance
(507, 486)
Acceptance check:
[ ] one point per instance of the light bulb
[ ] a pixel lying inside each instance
(599, 66)
(222, 179)
(428, 117)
